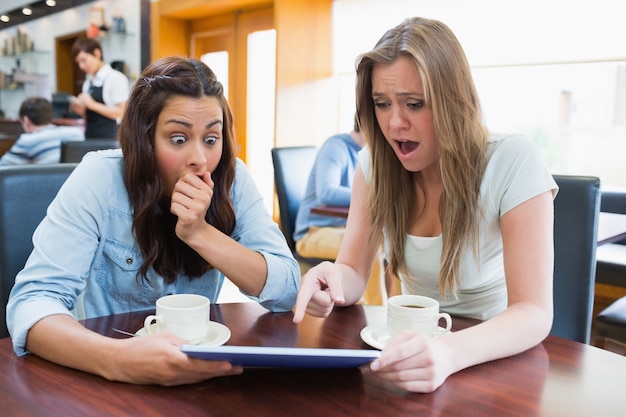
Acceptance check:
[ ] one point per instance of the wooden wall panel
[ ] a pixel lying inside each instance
(192, 9)
(304, 41)
(306, 93)
(170, 36)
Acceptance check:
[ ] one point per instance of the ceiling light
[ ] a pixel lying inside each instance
(4, 18)
(26, 11)
(51, 3)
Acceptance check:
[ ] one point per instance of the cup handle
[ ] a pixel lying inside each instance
(147, 323)
(448, 320)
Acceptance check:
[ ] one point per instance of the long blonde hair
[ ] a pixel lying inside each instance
(462, 138)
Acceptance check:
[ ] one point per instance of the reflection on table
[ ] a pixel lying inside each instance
(557, 378)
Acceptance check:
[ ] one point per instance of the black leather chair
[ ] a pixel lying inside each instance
(611, 257)
(610, 324)
(613, 201)
(25, 193)
(576, 211)
(73, 151)
(292, 166)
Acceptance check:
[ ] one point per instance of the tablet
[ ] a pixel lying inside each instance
(283, 357)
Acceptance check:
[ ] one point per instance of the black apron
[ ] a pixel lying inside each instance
(96, 125)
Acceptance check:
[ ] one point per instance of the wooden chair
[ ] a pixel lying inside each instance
(25, 193)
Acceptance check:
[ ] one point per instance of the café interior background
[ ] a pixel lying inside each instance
(553, 70)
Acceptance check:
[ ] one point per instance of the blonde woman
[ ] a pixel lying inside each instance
(466, 216)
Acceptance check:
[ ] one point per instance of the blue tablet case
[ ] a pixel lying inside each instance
(283, 357)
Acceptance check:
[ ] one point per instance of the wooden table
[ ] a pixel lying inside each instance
(6, 142)
(333, 211)
(69, 122)
(611, 228)
(557, 378)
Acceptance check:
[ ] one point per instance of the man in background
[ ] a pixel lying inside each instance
(104, 92)
(41, 141)
(329, 184)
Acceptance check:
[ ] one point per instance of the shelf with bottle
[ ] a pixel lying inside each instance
(11, 87)
(113, 40)
(26, 60)
(24, 54)
(19, 68)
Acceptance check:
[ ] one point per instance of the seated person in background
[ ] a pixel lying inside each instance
(173, 211)
(104, 94)
(329, 184)
(41, 141)
(466, 216)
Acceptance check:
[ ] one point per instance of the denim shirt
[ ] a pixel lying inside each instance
(85, 258)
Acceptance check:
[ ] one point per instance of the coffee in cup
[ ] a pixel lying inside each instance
(185, 315)
(416, 313)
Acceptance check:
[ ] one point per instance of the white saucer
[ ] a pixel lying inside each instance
(218, 334)
(377, 335)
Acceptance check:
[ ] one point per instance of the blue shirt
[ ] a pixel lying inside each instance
(85, 258)
(329, 184)
(42, 146)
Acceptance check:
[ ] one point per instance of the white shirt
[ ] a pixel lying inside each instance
(515, 173)
(115, 88)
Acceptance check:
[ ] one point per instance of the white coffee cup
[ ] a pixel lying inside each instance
(416, 313)
(185, 315)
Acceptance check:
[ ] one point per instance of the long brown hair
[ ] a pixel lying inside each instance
(451, 95)
(153, 224)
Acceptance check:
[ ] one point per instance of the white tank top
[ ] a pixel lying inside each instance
(515, 173)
